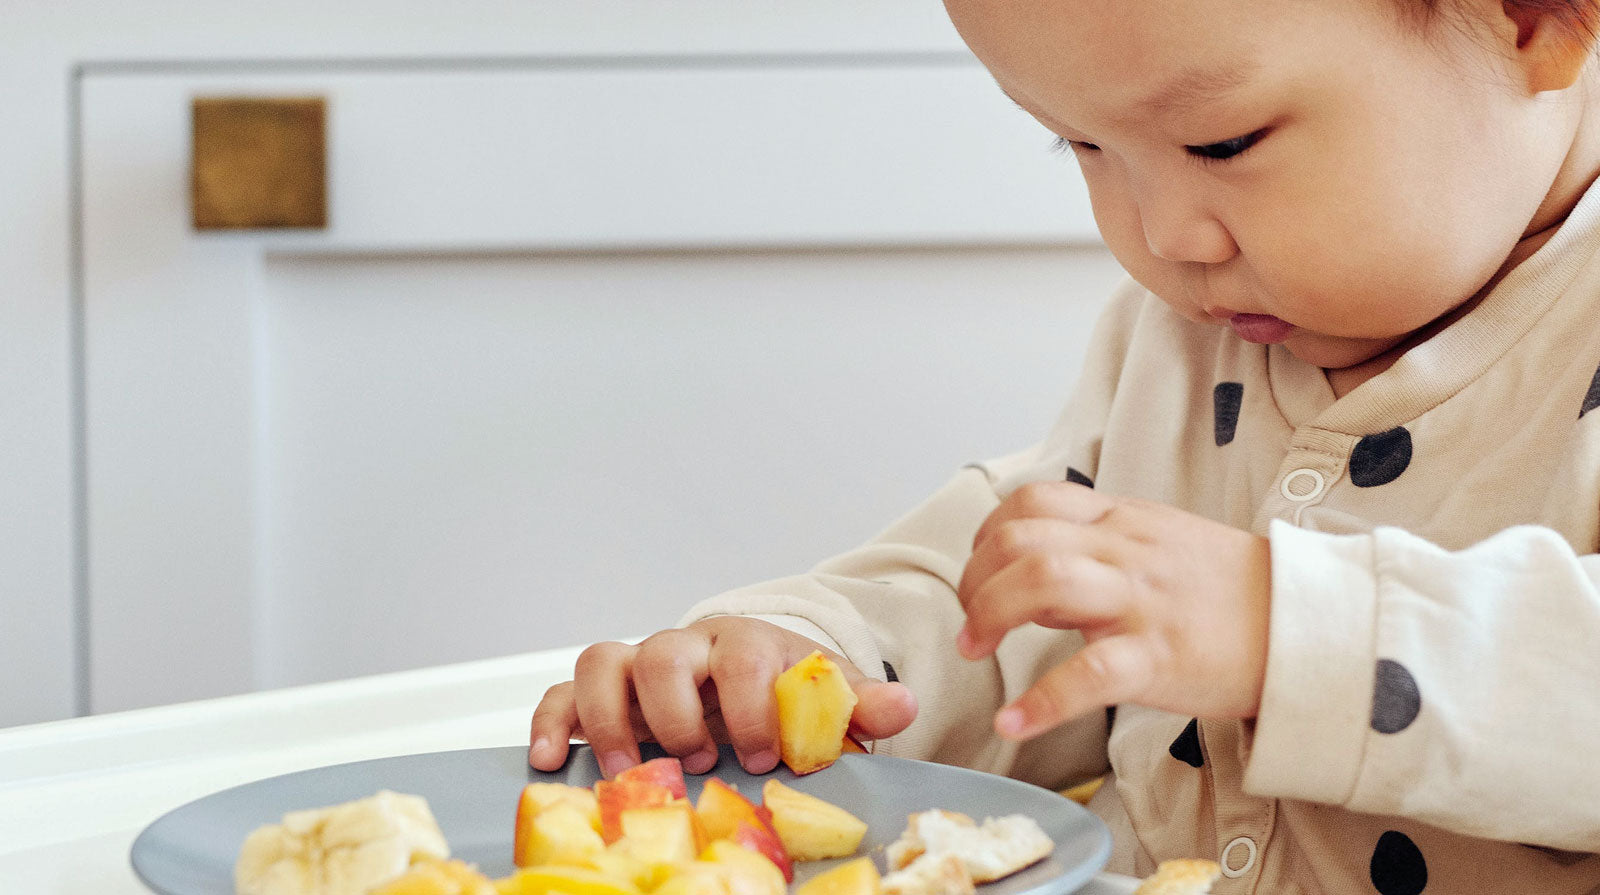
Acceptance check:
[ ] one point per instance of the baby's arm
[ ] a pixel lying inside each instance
(887, 610)
(1457, 688)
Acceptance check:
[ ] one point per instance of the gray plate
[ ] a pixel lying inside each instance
(473, 793)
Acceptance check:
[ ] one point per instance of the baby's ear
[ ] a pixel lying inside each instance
(1553, 41)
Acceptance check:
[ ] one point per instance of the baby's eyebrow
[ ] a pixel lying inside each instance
(1198, 85)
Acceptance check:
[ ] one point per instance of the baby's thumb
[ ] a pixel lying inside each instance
(882, 710)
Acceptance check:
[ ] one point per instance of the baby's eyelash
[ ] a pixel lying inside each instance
(1208, 153)
(1226, 149)
(1062, 144)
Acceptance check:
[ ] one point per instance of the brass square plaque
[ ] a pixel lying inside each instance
(259, 163)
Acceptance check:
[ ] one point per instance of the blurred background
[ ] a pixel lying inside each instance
(344, 338)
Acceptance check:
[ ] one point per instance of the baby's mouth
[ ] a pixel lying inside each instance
(1262, 329)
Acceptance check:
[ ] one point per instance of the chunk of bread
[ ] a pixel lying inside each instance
(1185, 876)
(929, 875)
(999, 847)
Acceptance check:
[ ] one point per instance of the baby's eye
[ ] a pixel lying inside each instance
(1062, 144)
(1227, 149)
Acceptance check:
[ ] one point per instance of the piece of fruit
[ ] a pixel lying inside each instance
(663, 834)
(814, 706)
(556, 834)
(666, 772)
(617, 796)
(811, 829)
(697, 879)
(429, 877)
(538, 796)
(746, 872)
(618, 864)
(547, 879)
(763, 840)
(858, 877)
(722, 808)
(352, 847)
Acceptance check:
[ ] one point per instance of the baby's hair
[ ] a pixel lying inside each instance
(1577, 17)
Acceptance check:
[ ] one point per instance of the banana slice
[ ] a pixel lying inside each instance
(339, 850)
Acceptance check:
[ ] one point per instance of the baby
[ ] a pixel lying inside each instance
(1308, 565)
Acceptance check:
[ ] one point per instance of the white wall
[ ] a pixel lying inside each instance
(42, 44)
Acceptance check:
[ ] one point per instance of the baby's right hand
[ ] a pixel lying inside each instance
(691, 688)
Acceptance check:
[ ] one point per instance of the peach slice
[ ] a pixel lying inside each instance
(619, 795)
(810, 828)
(555, 834)
(747, 872)
(763, 840)
(546, 879)
(666, 771)
(539, 796)
(663, 834)
(434, 877)
(722, 808)
(858, 877)
(814, 706)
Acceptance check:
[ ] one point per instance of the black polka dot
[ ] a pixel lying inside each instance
(1397, 866)
(1591, 399)
(1186, 748)
(1078, 478)
(1225, 401)
(888, 673)
(1395, 698)
(1379, 459)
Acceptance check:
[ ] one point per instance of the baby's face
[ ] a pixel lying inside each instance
(1317, 161)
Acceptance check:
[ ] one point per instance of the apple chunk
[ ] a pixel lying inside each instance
(810, 828)
(814, 706)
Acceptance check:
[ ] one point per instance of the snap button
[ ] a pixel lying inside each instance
(1302, 485)
(1228, 869)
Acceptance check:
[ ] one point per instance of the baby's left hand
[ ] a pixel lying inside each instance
(1174, 606)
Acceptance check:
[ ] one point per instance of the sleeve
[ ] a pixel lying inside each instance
(890, 606)
(1455, 688)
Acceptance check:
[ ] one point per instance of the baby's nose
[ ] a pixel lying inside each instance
(1177, 228)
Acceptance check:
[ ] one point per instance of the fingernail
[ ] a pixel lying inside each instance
(614, 763)
(761, 762)
(1010, 721)
(700, 762)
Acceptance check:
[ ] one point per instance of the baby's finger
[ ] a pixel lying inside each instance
(1062, 587)
(667, 672)
(1067, 501)
(1005, 544)
(553, 724)
(882, 709)
(603, 696)
(744, 664)
(1106, 672)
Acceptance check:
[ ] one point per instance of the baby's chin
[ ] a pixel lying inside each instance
(1336, 352)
